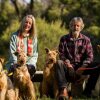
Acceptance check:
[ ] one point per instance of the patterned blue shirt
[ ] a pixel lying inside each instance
(13, 48)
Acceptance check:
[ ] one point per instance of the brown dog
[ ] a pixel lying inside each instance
(4, 84)
(49, 85)
(24, 87)
(10, 94)
(3, 81)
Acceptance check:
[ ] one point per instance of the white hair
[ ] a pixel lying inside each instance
(76, 19)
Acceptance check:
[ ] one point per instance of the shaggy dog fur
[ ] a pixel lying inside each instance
(49, 86)
(24, 87)
(4, 84)
(10, 94)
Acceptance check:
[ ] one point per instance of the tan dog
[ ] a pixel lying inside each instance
(10, 94)
(49, 86)
(4, 84)
(24, 87)
(3, 81)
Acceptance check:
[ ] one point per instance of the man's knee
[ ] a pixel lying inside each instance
(60, 62)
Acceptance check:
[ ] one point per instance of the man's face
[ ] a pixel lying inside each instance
(76, 27)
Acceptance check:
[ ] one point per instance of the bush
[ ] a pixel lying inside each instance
(6, 37)
(48, 36)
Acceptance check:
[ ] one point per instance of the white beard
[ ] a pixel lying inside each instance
(75, 32)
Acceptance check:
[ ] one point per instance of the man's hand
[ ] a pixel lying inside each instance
(68, 64)
(79, 71)
(71, 70)
(78, 75)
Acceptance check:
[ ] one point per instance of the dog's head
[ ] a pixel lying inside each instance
(51, 55)
(21, 57)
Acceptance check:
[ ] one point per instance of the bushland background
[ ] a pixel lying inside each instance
(52, 21)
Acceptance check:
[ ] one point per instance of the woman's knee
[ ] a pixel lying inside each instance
(31, 69)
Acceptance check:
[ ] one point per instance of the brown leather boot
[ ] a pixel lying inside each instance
(63, 94)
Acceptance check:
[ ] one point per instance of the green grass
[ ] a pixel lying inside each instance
(45, 98)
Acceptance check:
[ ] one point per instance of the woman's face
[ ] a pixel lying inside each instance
(28, 24)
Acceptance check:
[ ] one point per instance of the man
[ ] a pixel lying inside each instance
(76, 53)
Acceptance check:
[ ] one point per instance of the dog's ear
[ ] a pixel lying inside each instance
(57, 51)
(2, 60)
(16, 53)
(47, 50)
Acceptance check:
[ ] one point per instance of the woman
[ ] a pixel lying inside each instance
(24, 39)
